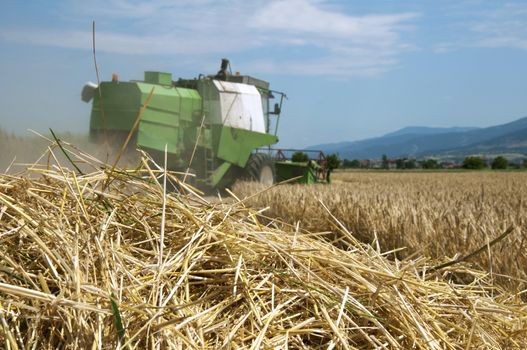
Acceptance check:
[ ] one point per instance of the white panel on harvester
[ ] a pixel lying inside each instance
(241, 106)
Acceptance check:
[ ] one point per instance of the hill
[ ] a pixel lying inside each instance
(426, 141)
(426, 130)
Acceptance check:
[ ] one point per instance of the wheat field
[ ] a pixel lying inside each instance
(109, 259)
(442, 215)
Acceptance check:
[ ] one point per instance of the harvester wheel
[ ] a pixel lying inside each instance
(260, 168)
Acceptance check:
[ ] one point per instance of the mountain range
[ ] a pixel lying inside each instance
(421, 142)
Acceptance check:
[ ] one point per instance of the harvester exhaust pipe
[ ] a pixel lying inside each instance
(88, 91)
(223, 73)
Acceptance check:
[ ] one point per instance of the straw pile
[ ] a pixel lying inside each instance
(109, 259)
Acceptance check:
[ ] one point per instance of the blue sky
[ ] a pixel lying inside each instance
(351, 69)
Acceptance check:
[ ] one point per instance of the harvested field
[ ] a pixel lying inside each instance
(109, 259)
(440, 215)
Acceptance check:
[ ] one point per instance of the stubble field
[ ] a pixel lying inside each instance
(441, 215)
(108, 258)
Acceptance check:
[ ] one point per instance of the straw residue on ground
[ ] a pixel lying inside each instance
(435, 214)
(109, 259)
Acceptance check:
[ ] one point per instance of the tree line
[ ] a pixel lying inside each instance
(470, 162)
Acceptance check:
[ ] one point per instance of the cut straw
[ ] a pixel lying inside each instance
(132, 265)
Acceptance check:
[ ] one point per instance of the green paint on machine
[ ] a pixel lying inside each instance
(235, 116)
(120, 102)
(288, 170)
(235, 145)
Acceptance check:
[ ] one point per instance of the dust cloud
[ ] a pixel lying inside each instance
(19, 152)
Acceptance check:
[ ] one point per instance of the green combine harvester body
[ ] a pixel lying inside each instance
(211, 125)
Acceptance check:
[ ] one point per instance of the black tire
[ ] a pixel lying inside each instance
(260, 168)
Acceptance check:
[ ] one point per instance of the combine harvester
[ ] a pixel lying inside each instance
(219, 126)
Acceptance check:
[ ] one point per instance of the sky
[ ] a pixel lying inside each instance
(351, 69)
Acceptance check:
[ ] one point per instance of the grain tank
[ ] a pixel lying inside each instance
(219, 121)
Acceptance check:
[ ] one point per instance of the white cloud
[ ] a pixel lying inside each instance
(325, 40)
(123, 43)
(504, 27)
(445, 47)
(500, 25)
(352, 45)
(307, 17)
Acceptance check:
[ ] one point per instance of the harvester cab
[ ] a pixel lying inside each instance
(211, 124)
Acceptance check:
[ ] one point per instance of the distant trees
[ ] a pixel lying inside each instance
(473, 162)
(299, 157)
(410, 164)
(403, 163)
(354, 164)
(430, 164)
(385, 163)
(333, 161)
(500, 162)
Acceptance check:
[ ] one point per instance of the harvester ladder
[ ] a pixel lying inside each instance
(209, 162)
